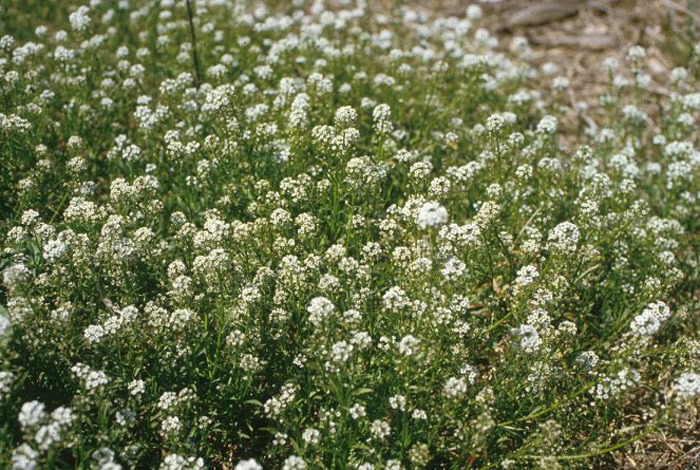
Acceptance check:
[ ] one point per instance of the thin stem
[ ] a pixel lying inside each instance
(193, 37)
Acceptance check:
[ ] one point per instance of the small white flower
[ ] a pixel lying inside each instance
(319, 310)
(311, 436)
(380, 429)
(649, 321)
(294, 463)
(357, 411)
(31, 414)
(249, 464)
(527, 275)
(408, 346)
(455, 387)
(688, 385)
(341, 351)
(431, 214)
(529, 338)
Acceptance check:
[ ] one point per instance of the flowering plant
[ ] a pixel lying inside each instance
(299, 238)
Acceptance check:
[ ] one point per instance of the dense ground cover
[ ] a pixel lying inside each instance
(237, 236)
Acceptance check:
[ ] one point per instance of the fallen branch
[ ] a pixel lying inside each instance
(542, 13)
(593, 42)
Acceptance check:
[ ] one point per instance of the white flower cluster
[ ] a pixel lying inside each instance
(431, 214)
(688, 385)
(650, 320)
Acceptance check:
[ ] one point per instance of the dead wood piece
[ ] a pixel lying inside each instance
(591, 42)
(545, 12)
